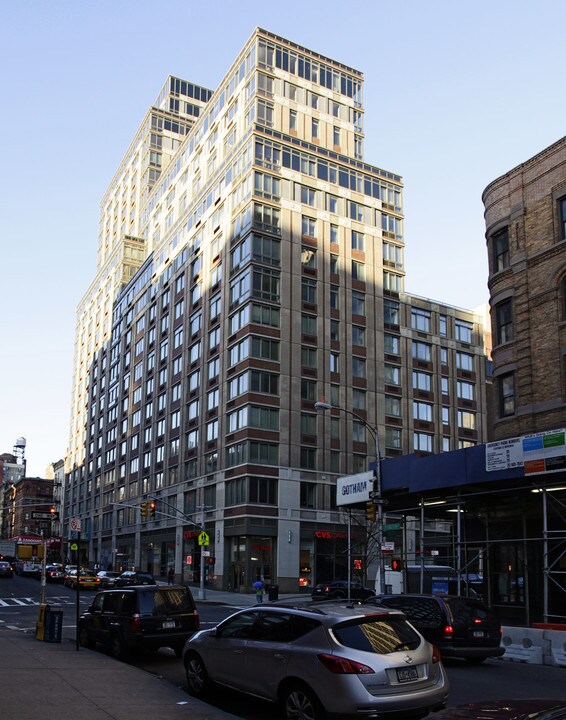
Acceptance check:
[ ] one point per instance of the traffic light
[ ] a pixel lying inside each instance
(397, 564)
(152, 509)
(143, 509)
(370, 511)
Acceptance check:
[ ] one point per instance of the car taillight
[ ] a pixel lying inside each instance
(197, 620)
(448, 632)
(136, 623)
(436, 656)
(344, 666)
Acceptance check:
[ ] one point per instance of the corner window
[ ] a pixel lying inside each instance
(504, 321)
(507, 395)
(562, 211)
(500, 246)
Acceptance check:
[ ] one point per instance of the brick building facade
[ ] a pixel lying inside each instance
(525, 214)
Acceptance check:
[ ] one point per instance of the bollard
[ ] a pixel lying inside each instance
(40, 624)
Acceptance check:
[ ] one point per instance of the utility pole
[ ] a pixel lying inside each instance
(202, 591)
(377, 498)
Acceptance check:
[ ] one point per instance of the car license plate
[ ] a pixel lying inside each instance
(407, 674)
(478, 633)
(168, 624)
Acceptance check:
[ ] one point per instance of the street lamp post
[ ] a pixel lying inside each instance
(377, 490)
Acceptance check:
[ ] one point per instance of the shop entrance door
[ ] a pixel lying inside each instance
(235, 577)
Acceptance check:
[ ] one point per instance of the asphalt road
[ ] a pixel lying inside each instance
(19, 600)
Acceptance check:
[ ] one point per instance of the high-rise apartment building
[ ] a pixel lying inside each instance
(251, 264)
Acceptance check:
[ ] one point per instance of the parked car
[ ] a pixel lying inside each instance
(134, 577)
(140, 618)
(85, 578)
(107, 578)
(320, 658)
(460, 627)
(338, 589)
(54, 573)
(518, 709)
(6, 570)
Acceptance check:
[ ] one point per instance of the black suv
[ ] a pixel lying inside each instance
(140, 618)
(460, 627)
(338, 589)
(134, 577)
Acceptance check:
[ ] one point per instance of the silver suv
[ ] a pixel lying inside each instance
(320, 658)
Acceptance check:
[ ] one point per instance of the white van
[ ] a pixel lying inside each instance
(29, 566)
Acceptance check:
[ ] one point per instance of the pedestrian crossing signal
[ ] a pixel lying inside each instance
(397, 564)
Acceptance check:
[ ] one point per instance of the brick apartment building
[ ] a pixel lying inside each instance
(525, 215)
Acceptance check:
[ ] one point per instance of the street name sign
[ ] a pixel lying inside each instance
(44, 515)
(352, 489)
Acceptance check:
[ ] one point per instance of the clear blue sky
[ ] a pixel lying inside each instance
(456, 94)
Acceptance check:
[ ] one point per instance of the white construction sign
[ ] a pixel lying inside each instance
(352, 489)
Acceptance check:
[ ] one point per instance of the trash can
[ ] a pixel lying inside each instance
(273, 592)
(53, 624)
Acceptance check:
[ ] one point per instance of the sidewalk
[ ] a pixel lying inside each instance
(42, 680)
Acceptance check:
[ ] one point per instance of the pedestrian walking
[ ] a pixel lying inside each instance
(259, 591)
(171, 576)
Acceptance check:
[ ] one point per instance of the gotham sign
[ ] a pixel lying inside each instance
(353, 489)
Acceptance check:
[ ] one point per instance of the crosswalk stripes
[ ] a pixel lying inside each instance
(11, 602)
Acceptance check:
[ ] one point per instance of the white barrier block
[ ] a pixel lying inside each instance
(523, 645)
(557, 640)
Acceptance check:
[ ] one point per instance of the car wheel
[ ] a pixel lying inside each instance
(300, 703)
(118, 647)
(84, 638)
(476, 660)
(197, 677)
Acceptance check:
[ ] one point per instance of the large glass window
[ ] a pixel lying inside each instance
(391, 312)
(422, 442)
(392, 375)
(466, 420)
(358, 303)
(392, 406)
(422, 411)
(422, 381)
(465, 361)
(422, 351)
(420, 320)
(463, 331)
(393, 438)
(466, 390)
(391, 344)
